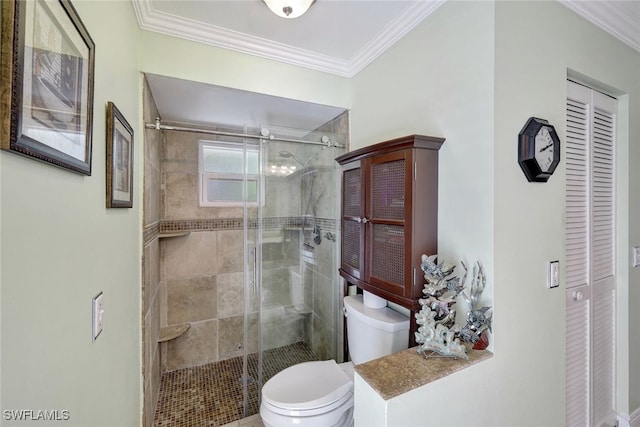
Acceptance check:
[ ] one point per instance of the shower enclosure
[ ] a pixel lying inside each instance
(251, 279)
(291, 247)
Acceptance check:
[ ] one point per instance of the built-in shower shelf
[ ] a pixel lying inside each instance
(169, 333)
(175, 234)
(302, 309)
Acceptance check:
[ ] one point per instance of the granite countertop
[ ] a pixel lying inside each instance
(406, 370)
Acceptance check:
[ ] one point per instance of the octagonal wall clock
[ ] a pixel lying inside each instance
(538, 150)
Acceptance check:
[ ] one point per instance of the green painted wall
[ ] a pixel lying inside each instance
(531, 68)
(61, 246)
(439, 80)
(473, 72)
(173, 57)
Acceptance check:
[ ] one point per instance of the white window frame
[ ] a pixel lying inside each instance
(205, 177)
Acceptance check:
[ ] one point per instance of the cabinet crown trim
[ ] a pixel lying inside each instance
(409, 141)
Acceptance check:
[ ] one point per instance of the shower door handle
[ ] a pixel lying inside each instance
(254, 281)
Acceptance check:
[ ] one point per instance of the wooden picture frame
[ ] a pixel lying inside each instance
(46, 73)
(119, 159)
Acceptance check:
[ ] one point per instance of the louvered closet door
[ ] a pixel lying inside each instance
(590, 245)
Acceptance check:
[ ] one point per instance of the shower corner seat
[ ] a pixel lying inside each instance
(169, 333)
(173, 234)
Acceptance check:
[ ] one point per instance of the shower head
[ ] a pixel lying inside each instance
(288, 154)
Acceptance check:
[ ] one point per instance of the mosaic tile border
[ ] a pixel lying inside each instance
(172, 226)
(152, 231)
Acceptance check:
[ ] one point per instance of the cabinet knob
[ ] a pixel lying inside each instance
(365, 220)
(358, 220)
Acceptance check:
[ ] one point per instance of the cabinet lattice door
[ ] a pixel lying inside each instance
(352, 222)
(387, 217)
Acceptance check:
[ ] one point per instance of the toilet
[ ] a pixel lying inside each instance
(320, 394)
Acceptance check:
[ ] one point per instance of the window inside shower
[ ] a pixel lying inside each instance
(222, 167)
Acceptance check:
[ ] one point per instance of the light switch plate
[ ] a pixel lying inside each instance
(553, 274)
(98, 312)
(635, 253)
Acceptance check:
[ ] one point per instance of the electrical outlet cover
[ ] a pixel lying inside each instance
(98, 312)
(553, 274)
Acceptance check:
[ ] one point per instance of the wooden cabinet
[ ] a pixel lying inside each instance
(390, 217)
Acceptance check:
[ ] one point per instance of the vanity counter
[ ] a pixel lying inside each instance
(393, 375)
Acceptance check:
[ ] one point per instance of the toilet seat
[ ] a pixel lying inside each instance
(310, 388)
(346, 400)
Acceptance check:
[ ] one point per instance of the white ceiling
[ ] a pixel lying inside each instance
(186, 102)
(335, 36)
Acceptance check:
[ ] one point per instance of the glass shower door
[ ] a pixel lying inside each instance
(253, 185)
(299, 286)
(291, 285)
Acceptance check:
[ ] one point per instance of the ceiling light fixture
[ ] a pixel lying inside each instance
(289, 8)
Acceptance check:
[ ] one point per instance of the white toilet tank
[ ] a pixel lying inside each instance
(374, 332)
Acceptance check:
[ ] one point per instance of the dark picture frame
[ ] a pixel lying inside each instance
(119, 159)
(46, 73)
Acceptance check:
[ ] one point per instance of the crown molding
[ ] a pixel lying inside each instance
(161, 22)
(610, 19)
(393, 32)
(602, 14)
(177, 26)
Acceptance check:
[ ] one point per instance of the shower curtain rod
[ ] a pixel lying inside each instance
(157, 125)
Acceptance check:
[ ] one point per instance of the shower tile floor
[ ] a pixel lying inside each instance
(211, 395)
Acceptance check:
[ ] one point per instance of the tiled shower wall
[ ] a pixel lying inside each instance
(202, 273)
(152, 142)
(326, 203)
(198, 278)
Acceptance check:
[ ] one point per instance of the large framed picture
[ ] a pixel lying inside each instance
(119, 159)
(46, 69)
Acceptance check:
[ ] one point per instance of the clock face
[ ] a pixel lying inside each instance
(544, 149)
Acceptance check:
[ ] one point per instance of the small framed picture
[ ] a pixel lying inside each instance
(46, 76)
(119, 159)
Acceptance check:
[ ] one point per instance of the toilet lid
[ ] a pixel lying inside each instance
(307, 386)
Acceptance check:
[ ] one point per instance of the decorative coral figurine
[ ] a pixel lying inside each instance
(437, 332)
